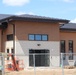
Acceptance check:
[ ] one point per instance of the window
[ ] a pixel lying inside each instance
(12, 51)
(31, 37)
(10, 37)
(7, 52)
(41, 60)
(38, 37)
(44, 37)
(70, 50)
(62, 48)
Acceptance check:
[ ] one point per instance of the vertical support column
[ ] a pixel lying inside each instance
(34, 64)
(14, 38)
(62, 64)
(3, 65)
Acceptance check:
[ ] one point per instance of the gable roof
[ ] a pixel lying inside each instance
(26, 17)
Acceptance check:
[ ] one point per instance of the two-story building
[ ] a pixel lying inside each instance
(30, 34)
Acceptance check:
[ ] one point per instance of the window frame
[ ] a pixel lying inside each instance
(64, 55)
(70, 57)
(64, 46)
(8, 51)
(8, 37)
(30, 39)
(47, 37)
(12, 50)
(35, 37)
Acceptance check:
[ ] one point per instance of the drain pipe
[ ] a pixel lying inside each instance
(1, 40)
(3, 26)
(13, 36)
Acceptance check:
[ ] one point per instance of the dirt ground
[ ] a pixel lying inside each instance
(43, 72)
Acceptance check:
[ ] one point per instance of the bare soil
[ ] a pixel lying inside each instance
(43, 72)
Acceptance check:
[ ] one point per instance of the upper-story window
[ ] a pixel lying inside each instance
(38, 37)
(31, 37)
(9, 37)
(44, 37)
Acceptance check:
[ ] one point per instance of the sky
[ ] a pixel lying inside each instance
(63, 9)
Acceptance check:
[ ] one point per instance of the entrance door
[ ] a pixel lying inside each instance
(41, 58)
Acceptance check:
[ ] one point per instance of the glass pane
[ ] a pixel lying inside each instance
(44, 37)
(7, 55)
(7, 50)
(12, 50)
(37, 37)
(70, 50)
(62, 44)
(71, 45)
(31, 37)
(10, 37)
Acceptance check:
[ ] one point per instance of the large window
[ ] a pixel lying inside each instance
(38, 37)
(70, 50)
(62, 48)
(9, 37)
(41, 58)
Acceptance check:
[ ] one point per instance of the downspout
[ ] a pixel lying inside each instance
(2, 40)
(4, 25)
(14, 37)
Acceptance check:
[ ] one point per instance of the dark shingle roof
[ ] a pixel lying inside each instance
(38, 17)
(2, 16)
(27, 17)
(68, 26)
(42, 18)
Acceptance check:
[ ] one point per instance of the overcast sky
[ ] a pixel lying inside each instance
(65, 9)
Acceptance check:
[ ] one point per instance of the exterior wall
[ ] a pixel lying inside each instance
(22, 44)
(23, 47)
(65, 35)
(68, 35)
(23, 29)
(8, 45)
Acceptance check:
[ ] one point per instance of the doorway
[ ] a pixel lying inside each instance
(42, 58)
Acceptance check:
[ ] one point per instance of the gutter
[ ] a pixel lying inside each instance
(34, 19)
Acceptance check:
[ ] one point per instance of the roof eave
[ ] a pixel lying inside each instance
(67, 29)
(33, 19)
